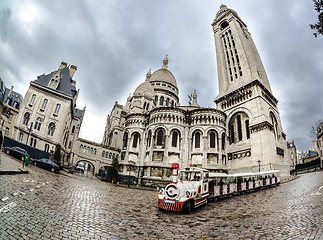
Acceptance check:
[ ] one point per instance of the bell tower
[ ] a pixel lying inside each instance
(255, 133)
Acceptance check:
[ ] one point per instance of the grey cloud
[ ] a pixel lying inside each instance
(5, 14)
(114, 44)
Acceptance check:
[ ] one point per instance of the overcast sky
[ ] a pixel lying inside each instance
(115, 42)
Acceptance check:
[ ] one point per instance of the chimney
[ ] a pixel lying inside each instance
(63, 65)
(72, 70)
(10, 91)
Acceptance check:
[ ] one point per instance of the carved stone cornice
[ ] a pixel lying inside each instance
(261, 126)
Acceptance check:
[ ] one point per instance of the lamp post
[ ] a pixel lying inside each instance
(29, 132)
(130, 165)
(259, 164)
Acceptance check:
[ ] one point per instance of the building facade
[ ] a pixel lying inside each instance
(10, 102)
(244, 133)
(48, 114)
(292, 154)
(319, 135)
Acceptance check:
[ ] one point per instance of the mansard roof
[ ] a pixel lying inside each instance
(15, 97)
(78, 113)
(65, 86)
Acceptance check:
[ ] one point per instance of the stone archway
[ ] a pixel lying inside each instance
(85, 167)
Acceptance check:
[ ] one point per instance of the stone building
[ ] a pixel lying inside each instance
(292, 155)
(244, 132)
(319, 135)
(48, 114)
(10, 102)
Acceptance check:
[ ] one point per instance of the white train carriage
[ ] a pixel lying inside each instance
(193, 187)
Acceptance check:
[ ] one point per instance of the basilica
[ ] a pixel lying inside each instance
(242, 134)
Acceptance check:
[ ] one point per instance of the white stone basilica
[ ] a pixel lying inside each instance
(244, 133)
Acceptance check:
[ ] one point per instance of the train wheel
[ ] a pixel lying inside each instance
(188, 207)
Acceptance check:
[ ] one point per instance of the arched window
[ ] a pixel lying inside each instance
(239, 128)
(275, 125)
(26, 118)
(43, 106)
(174, 138)
(21, 137)
(161, 101)
(58, 106)
(46, 147)
(145, 105)
(167, 102)
(247, 129)
(103, 153)
(94, 151)
(231, 134)
(224, 25)
(125, 140)
(197, 140)
(38, 123)
(223, 141)
(135, 140)
(81, 148)
(73, 129)
(172, 103)
(51, 129)
(149, 139)
(156, 99)
(160, 137)
(212, 140)
(32, 100)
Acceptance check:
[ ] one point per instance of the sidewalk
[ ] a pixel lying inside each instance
(9, 165)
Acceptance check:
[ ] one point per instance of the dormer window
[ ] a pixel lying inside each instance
(53, 83)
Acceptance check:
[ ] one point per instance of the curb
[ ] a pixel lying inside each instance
(12, 172)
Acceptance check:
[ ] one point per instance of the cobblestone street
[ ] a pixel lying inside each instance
(45, 205)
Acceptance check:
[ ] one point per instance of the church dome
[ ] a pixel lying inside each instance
(164, 74)
(145, 89)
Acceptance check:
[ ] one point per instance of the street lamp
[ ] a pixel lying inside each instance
(131, 163)
(29, 132)
(259, 164)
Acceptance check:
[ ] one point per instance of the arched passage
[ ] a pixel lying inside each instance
(85, 167)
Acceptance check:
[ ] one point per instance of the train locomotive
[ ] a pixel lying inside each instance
(193, 187)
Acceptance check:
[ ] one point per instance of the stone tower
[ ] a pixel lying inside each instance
(255, 135)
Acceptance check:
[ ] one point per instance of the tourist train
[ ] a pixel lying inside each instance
(192, 187)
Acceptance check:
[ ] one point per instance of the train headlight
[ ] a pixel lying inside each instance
(161, 191)
(188, 194)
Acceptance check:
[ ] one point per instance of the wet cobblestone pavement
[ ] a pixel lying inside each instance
(45, 205)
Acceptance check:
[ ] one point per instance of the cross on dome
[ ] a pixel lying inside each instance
(165, 62)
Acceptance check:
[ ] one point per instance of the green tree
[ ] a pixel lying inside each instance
(58, 155)
(114, 168)
(318, 27)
